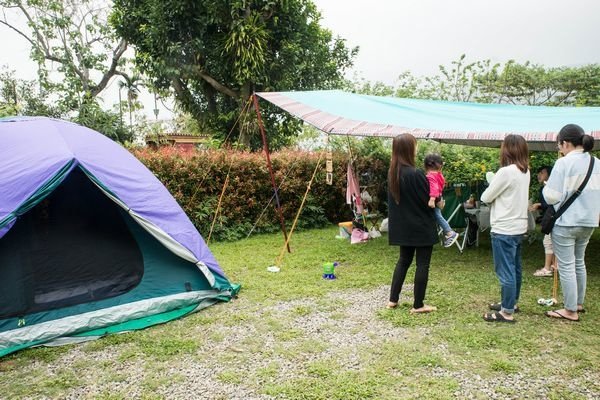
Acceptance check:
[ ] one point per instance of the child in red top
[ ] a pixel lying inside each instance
(433, 169)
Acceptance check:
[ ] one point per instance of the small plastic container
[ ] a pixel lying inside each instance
(329, 270)
(345, 230)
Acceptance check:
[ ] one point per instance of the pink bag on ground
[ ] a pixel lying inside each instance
(358, 236)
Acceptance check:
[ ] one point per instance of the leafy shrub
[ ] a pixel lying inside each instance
(196, 180)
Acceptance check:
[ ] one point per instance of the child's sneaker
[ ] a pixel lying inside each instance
(450, 240)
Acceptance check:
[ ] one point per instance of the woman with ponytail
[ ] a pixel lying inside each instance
(573, 229)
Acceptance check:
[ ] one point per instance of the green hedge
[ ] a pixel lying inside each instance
(196, 181)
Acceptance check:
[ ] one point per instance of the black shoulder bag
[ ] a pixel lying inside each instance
(550, 216)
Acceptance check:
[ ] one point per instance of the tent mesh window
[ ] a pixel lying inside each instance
(72, 248)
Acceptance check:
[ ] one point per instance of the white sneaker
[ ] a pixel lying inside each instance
(450, 240)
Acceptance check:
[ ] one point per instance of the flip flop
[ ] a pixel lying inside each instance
(391, 305)
(497, 317)
(560, 316)
(543, 272)
(498, 306)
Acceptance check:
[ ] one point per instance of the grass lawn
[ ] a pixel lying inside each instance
(294, 335)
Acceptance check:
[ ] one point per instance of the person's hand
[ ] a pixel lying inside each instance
(535, 206)
(431, 203)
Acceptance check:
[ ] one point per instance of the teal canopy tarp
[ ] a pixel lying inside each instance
(474, 124)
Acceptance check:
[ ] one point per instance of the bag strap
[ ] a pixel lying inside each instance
(576, 194)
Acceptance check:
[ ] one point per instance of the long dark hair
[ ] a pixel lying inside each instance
(514, 151)
(433, 162)
(575, 135)
(403, 154)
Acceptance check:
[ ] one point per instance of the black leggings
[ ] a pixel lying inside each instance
(421, 275)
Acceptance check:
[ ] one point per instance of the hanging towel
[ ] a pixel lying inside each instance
(353, 190)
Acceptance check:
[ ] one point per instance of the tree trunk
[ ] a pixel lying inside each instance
(244, 125)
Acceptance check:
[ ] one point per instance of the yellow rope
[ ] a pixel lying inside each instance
(212, 226)
(208, 170)
(555, 283)
(218, 210)
(280, 258)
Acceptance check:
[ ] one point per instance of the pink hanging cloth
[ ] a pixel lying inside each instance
(353, 190)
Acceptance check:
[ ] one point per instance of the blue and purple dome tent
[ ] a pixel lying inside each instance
(91, 242)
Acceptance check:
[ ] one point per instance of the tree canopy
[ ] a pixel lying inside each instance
(485, 82)
(214, 54)
(23, 97)
(76, 50)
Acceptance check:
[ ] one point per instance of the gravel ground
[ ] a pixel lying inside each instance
(343, 331)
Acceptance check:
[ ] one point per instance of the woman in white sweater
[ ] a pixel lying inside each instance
(507, 196)
(573, 229)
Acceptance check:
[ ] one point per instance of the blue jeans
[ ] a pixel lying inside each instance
(507, 260)
(441, 220)
(569, 245)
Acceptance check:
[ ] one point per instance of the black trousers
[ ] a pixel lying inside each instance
(407, 254)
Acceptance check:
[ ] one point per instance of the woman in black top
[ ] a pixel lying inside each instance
(412, 223)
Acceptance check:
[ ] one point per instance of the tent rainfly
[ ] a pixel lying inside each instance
(474, 124)
(91, 242)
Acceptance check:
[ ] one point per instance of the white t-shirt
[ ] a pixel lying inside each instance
(508, 196)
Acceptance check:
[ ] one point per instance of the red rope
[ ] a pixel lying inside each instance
(268, 156)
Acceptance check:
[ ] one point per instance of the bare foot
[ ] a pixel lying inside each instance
(563, 314)
(424, 309)
(391, 304)
(508, 317)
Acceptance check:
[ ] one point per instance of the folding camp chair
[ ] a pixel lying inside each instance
(465, 222)
(462, 235)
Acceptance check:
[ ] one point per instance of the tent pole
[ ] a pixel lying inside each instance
(268, 156)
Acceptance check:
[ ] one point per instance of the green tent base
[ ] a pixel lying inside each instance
(130, 325)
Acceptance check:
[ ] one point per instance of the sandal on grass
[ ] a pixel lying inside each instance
(558, 315)
(543, 272)
(391, 305)
(496, 316)
(498, 306)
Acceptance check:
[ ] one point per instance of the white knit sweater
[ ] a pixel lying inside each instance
(507, 197)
